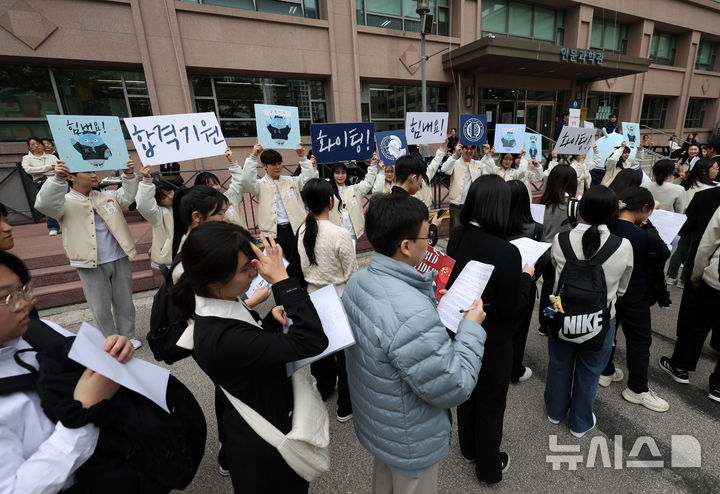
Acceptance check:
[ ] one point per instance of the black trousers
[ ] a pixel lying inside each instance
(326, 371)
(520, 338)
(632, 313)
(480, 419)
(697, 316)
(546, 289)
(455, 215)
(288, 241)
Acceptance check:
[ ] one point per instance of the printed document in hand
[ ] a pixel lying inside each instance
(260, 282)
(538, 212)
(530, 250)
(468, 287)
(668, 225)
(334, 322)
(145, 378)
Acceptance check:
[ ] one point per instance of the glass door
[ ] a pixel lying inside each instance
(539, 119)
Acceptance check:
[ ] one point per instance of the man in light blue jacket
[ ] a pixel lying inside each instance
(405, 372)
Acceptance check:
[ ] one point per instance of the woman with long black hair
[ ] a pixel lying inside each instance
(619, 160)
(484, 219)
(670, 196)
(327, 257)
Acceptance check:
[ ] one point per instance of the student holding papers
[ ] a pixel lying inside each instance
(405, 371)
(484, 219)
(246, 355)
(39, 455)
(327, 257)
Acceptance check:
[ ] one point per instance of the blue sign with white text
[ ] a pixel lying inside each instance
(342, 141)
(391, 145)
(473, 130)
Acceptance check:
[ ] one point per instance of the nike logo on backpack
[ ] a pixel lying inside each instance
(582, 324)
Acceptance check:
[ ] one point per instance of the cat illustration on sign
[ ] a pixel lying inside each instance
(278, 124)
(92, 148)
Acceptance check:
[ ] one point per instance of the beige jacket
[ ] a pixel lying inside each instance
(456, 167)
(234, 212)
(425, 192)
(38, 166)
(708, 254)
(610, 166)
(265, 191)
(77, 219)
(161, 221)
(352, 197)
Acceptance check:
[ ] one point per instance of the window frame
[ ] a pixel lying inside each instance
(558, 27)
(710, 66)
(672, 37)
(62, 110)
(622, 39)
(251, 120)
(399, 122)
(301, 3)
(654, 102)
(403, 19)
(699, 119)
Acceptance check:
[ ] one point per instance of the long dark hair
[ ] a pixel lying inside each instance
(344, 167)
(15, 264)
(519, 208)
(699, 174)
(207, 178)
(599, 206)
(162, 189)
(662, 169)
(626, 178)
(201, 198)
(621, 160)
(488, 203)
(209, 255)
(562, 180)
(316, 195)
(637, 198)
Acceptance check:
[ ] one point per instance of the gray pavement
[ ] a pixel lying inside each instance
(527, 431)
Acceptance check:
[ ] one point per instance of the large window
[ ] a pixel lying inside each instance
(522, 20)
(28, 94)
(386, 104)
(662, 48)
(695, 115)
(297, 8)
(706, 55)
(653, 112)
(601, 106)
(233, 98)
(609, 36)
(401, 15)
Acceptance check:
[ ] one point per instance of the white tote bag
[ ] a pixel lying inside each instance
(305, 447)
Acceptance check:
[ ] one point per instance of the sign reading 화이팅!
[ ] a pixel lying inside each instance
(342, 141)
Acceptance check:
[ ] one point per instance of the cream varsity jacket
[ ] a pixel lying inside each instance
(425, 192)
(352, 197)
(234, 212)
(456, 167)
(77, 219)
(266, 192)
(708, 254)
(161, 221)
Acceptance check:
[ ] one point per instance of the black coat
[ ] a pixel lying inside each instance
(249, 362)
(508, 291)
(699, 213)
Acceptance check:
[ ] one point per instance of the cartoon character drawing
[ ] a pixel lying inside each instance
(444, 274)
(392, 146)
(533, 147)
(631, 135)
(92, 148)
(508, 138)
(278, 124)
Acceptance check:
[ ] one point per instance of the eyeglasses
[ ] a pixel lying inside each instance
(247, 267)
(16, 297)
(428, 238)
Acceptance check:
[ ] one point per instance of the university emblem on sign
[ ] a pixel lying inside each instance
(473, 129)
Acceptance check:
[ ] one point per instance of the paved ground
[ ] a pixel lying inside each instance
(527, 431)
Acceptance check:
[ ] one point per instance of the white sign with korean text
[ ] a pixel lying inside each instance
(425, 127)
(168, 138)
(574, 140)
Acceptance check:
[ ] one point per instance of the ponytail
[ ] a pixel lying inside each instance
(201, 198)
(662, 169)
(598, 206)
(590, 241)
(316, 195)
(183, 297)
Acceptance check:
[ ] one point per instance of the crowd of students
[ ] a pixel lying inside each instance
(406, 370)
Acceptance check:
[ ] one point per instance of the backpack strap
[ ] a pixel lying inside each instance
(537, 232)
(42, 336)
(572, 208)
(611, 245)
(566, 246)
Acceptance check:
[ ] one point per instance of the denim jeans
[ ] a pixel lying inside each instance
(678, 257)
(572, 380)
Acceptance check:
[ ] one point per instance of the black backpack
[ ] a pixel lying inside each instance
(583, 294)
(572, 213)
(167, 323)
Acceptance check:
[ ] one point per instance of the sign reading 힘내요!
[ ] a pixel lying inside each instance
(425, 127)
(342, 141)
(167, 138)
(89, 143)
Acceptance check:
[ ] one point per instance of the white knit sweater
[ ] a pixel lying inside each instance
(335, 256)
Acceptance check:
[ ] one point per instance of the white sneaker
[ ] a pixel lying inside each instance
(553, 421)
(135, 343)
(670, 281)
(606, 381)
(52, 233)
(581, 434)
(223, 471)
(680, 283)
(526, 375)
(648, 399)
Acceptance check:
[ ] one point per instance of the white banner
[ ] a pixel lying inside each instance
(574, 140)
(168, 138)
(425, 127)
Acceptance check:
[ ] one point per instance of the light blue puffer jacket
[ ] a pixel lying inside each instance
(405, 372)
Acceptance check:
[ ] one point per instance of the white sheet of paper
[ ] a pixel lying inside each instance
(468, 287)
(334, 322)
(260, 282)
(530, 250)
(538, 212)
(167, 138)
(668, 224)
(148, 379)
(645, 177)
